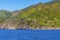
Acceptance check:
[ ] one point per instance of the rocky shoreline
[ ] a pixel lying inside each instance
(24, 28)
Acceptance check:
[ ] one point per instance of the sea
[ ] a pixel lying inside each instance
(29, 34)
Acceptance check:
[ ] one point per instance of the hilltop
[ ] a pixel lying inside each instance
(38, 16)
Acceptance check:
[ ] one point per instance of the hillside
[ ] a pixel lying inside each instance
(39, 16)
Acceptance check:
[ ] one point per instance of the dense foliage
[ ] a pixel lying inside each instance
(42, 15)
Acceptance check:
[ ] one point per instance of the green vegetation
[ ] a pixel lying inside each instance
(42, 15)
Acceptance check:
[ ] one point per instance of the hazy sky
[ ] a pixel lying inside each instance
(12, 5)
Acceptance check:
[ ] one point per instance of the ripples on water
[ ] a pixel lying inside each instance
(29, 34)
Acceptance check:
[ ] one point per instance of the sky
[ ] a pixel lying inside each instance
(12, 5)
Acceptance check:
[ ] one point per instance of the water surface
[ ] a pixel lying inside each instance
(29, 34)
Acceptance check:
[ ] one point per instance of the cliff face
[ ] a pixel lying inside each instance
(39, 16)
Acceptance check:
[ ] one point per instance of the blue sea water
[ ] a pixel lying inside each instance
(29, 34)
